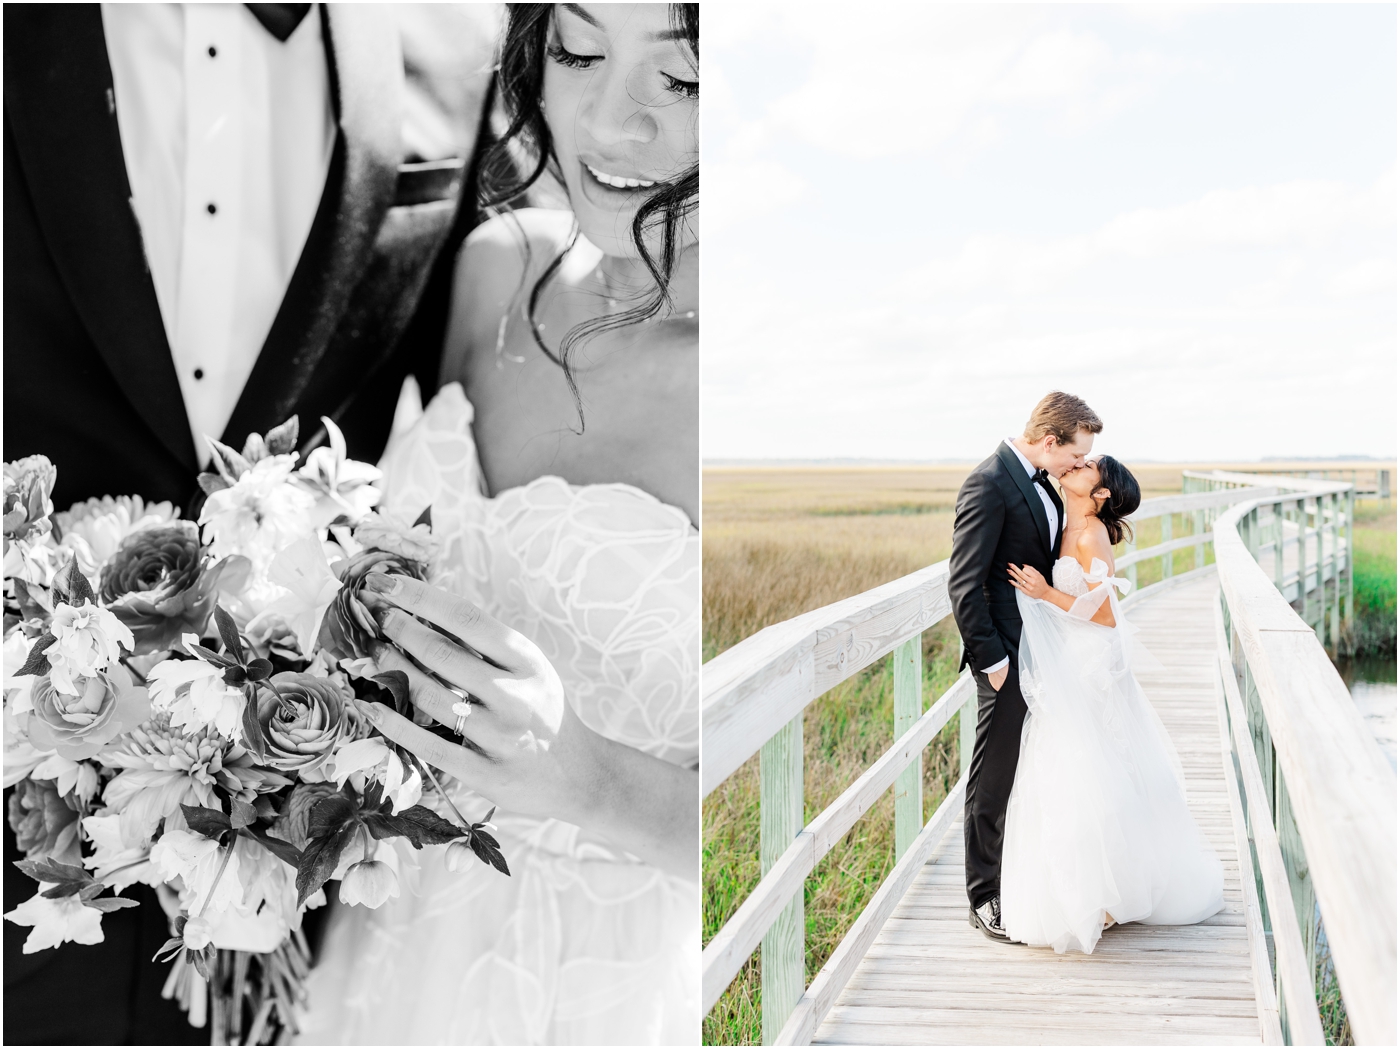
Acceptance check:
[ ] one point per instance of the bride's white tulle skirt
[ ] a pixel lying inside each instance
(1097, 820)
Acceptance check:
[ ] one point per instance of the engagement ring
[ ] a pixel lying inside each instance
(463, 710)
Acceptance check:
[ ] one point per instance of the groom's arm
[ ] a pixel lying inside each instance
(977, 525)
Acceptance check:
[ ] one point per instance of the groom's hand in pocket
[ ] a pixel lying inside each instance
(998, 677)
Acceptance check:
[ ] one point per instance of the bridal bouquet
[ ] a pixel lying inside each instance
(180, 709)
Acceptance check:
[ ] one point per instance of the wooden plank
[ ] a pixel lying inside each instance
(1342, 789)
(928, 978)
(780, 814)
(908, 708)
(815, 1004)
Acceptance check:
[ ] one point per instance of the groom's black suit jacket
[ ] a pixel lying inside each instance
(999, 520)
(89, 380)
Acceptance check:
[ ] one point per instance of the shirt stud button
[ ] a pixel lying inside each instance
(199, 373)
(211, 207)
(213, 50)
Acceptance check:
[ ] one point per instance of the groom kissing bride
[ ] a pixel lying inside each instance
(1075, 816)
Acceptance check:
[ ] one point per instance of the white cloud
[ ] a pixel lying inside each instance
(1293, 214)
(1365, 278)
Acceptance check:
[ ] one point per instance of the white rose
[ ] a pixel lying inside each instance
(88, 640)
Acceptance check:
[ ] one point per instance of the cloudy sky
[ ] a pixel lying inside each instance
(920, 218)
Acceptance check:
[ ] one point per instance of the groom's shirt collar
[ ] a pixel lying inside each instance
(1011, 443)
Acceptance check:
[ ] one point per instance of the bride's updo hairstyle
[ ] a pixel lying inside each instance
(520, 82)
(1124, 497)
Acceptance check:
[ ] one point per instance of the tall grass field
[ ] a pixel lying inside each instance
(783, 540)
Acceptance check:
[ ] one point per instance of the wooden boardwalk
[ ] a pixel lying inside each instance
(930, 979)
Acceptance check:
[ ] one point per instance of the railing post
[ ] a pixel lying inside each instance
(1278, 545)
(1320, 624)
(908, 706)
(1198, 525)
(780, 820)
(1132, 568)
(1166, 537)
(1349, 596)
(1335, 623)
(1303, 557)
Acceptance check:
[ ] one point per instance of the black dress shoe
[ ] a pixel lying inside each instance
(987, 918)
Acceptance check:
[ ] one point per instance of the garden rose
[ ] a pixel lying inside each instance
(78, 726)
(304, 721)
(28, 483)
(45, 823)
(159, 584)
(348, 628)
(88, 639)
(92, 530)
(196, 696)
(387, 532)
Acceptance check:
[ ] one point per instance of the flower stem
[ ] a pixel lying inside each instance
(223, 866)
(460, 818)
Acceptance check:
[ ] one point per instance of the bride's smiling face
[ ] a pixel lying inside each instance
(621, 97)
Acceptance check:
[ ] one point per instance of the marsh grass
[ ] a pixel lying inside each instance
(783, 541)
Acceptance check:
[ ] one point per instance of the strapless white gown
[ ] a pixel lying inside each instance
(1097, 820)
(582, 944)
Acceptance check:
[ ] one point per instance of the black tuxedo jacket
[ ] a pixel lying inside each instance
(89, 380)
(999, 520)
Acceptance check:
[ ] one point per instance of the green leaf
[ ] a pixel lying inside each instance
(34, 605)
(396, 682)
(243, 814)
(252, 728)
(212, 482)
(37, 663)
(71, 582)
(228, 631)
(230, 464)
(321, 857)
(55, 873)
(169, 949)
(283, 850)
(259, 669)
(281, 440)
(58, 892)
(210, 656)
(210, 822)
(107, 904)
(488, 850)
(420, 825)
(426, 517)
(329, 815)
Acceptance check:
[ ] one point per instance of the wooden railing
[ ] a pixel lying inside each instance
(1316, 795)
(753, 699)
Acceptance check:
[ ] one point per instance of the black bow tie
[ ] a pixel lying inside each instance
(1041, 477)
(281, 20)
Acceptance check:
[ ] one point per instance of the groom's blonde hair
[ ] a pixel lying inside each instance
(1063, 415)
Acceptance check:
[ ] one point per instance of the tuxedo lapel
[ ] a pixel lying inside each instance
(366, 65)
(1028, 489)
(61, 108)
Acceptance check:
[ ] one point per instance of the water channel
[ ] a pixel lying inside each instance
(1371, 680)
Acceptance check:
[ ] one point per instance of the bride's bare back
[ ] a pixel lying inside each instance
(639, 384)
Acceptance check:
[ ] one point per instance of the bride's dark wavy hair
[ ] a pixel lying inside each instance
(520, 83)
(1124, 497)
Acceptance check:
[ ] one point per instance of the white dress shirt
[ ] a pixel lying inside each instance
(1051, 514)
(227, 135)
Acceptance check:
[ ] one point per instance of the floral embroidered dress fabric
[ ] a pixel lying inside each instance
(582, 944)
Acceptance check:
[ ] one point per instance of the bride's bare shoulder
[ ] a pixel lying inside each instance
(1093, 542)
(500, 258)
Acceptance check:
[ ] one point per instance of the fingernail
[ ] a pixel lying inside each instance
(384, 617)
(382, 583)
(368, 709)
